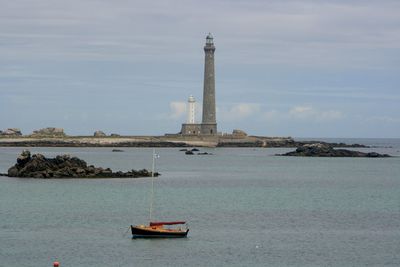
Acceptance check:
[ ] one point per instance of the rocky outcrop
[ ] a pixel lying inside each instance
(191, 152)
(49, 132)
(259, 141)
(323, 150)
(239, 133)
(99, 134)
(65, 166)
(11, 132)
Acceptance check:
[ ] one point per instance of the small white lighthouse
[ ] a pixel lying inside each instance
(191, 110)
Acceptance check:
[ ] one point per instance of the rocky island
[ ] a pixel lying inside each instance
(56, 137)
(65, 166)
(325, 150)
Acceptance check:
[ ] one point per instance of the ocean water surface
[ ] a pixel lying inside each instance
(245, 207)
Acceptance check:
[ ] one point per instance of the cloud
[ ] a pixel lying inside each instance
(308, 112)
(295, 32)
(303, 113)
(382, 119)
(239, 111)
(330, 115)
(254, 111)
(271, 115)
(244, 110)
(177, 110)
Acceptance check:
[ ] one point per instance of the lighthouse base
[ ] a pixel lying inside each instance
(199, 129)
(191, 129)
(209, 129)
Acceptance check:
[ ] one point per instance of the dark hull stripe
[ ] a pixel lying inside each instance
(136, 232)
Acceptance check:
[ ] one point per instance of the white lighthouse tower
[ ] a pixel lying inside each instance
(191, 110)
(191, 127)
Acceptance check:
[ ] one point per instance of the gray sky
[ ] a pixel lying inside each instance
(283, 68)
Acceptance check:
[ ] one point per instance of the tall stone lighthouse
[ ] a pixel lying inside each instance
(209, 122)
(208, 126)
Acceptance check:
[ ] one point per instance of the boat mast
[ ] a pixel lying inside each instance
(152, 184)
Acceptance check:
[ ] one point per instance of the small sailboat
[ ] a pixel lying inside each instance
(158, 229)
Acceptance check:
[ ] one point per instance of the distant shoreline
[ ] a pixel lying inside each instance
(159, 141)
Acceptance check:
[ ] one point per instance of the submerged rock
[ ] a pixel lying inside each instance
(204, 153)
(324, 150)
(65, 166)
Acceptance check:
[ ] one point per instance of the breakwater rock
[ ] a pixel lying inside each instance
(65, 166)
(323, 150)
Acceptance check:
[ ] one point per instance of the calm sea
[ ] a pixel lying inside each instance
(245, 207)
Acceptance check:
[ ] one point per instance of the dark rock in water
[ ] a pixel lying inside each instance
(117, 150)
(183, 149)
(65, 166)
(24, 157)
(189, 152)
(204, 153)
(324, 150)
(376, 155)
(195, 149)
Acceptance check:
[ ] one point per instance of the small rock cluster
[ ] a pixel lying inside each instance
(65, 166)
(324, 150)
(11, 132)
(49, 132)
(191, 151)
(239, 133)
(99, 134)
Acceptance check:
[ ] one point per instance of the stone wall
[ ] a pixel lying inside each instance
(191, 129)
